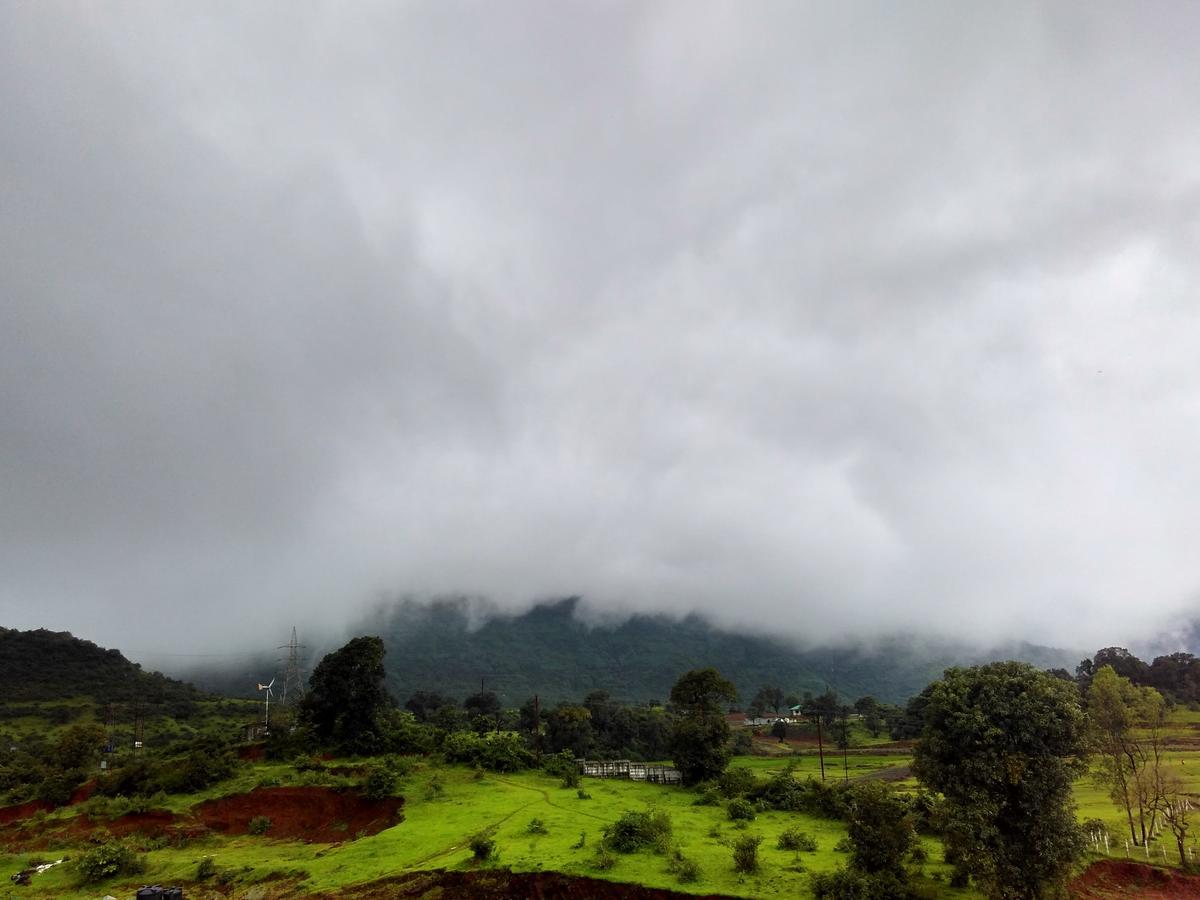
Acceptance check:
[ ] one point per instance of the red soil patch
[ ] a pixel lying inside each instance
(1112, 878)
(501, 884)
(23, 810)
(309, 813)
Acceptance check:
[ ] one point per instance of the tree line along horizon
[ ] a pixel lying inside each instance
(997, 749)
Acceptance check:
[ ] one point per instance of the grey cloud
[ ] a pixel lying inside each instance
(820, 321)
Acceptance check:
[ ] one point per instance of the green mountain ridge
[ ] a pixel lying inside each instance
(43, 665)
(550, 651)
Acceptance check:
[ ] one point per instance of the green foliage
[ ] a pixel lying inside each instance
(346, 702)
(108, 861)
(536, 826)
(483, 846)
(735, 782)
(578, 845)
(604, 858)
(379, 783)
(853, 884)
(881, 832)
(47, 665)
(1002, 743)
(259, 825)
(796, 839)
(206, 869)
(497, 751)
(740, 809)
(686, 871)
(636, 830)
(745, 853)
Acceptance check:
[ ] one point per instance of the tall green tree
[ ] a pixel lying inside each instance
(346, 703)
(1126, 724)
(700, 736)
(1002, 743)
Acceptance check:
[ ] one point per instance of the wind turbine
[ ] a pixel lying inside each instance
(267, 705)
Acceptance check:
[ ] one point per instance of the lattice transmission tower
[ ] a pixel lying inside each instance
(293, 677)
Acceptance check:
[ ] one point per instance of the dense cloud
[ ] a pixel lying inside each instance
(824, 321)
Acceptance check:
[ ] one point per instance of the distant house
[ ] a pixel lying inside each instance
(254, 731)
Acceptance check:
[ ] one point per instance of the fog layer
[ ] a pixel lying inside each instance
(819, 321)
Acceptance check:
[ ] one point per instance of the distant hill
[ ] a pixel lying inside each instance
(50, 665)
(549, 651)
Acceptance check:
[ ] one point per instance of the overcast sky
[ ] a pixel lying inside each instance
(825, 319)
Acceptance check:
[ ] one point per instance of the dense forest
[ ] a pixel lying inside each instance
(53, 665)
(552, 652)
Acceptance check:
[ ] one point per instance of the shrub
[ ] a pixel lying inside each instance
(434, 788)
(536, 826)
(745, 853)
(795, 839)
(635, 830)
(734, 782)
(206, 869)
(919, 854)
(578, 845)
(843, 846)
(483, 846)
(570, 779)
(851, 884)
(108, 861)
(684, 869)
(708, 797)
(583, 795)
(881, 832)
(259, 825)
(603, 858)
(689, 871)
(379, 784)
(560, 765)
(740, 809)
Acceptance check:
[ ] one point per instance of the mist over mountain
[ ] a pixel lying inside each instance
(558, 651)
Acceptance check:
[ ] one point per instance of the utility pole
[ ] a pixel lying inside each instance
(537, 731)
(293, 680)
(820, 745)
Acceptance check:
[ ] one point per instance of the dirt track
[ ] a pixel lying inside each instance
(499, 884)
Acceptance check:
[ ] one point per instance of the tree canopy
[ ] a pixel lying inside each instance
(1002, 742)
(346, 701)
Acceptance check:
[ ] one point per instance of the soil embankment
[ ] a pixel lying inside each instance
(306, 813)
(1113, 878)
(500, 884)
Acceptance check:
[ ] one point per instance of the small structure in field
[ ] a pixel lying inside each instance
(632, 771)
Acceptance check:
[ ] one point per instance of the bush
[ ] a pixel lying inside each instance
(919, 855)
(795, 839)
(684, 869)
(745, 853)
(206, 869)
(259, 825)
(603, 858)
(570, 779)
(740, 809)
(708, 797)
(734, 782)
(635, 830)
(108, 861)
(536, 826)
(483, 846)
(881, 832)
(578, 845)
(583, 795)
(379, 784)
(850, 884)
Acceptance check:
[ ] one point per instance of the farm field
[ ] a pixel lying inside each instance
(444, 806)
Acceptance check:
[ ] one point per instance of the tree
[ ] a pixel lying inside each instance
(346, 700)
(872, 713)
(425, 704)
(768, 697)
(700, 737)
(1002, 743)
(569, 727)
(779, 730)
(1130, 761)
(483, 709)
(881, 831)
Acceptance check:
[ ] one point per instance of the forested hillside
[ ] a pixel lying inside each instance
(549, 651)
(52, 665)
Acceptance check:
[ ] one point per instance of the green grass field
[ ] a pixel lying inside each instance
(439, 823)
